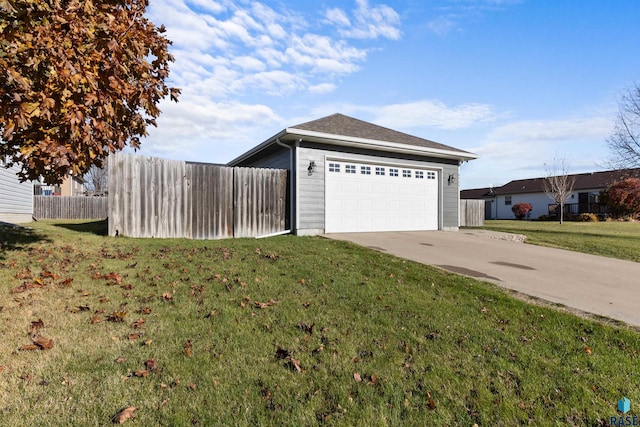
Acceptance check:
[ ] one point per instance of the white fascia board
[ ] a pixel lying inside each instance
(350, 141)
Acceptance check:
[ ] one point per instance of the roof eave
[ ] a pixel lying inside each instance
(258, 148)
(349, 141)
(291, 134)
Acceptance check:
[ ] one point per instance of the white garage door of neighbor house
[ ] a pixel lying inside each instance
(370, 197)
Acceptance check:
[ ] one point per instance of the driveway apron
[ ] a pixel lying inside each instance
(594, 284)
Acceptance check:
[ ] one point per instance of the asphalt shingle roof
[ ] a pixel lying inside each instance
(339, 124)
(583, 181)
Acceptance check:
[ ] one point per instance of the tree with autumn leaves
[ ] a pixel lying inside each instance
(80, 79)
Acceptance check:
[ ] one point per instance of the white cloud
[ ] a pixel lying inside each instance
(322, 88)
(369, 22)
(337, 17)
(442, 26)
(231, 56)
(552, 131)
(520, 149)
(434, 114)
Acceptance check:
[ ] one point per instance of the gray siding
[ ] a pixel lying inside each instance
(312, 192)
(16, 198)
(278, 159)
(450, 197)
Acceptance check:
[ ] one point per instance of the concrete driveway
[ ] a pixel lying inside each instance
(594, 284)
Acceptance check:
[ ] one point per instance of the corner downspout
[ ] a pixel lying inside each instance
(291, 186)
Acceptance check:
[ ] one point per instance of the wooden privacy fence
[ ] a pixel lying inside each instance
(67, 207)
(152, 197)
(471, 213)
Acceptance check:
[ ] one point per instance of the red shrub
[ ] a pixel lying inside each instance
(520, 210)
(623, 197)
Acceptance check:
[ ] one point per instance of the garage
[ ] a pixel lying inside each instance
(363, 197)
(348, 175)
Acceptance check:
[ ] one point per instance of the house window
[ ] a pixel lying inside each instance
(507, 200)
(365, 170)
(350, 168)
(406, 173)
(393, 172)
(420, 174)
(379, 171)
(334, 167)
(431, 175)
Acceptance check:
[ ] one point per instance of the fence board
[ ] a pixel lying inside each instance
(259, 201)
(471, 213)
(151, 197)
(67, 207)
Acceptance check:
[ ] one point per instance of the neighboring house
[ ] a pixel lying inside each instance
(16, 198)
(584, 199)
(70, 186)
(347, 175)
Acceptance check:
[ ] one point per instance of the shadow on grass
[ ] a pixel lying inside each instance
(15, 238)
(99, 228)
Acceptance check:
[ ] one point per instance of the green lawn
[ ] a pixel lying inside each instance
(615, 239)
(285, 331)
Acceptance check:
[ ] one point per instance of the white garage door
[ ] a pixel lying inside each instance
(370, 197)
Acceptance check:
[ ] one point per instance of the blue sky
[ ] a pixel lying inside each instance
(518, 82)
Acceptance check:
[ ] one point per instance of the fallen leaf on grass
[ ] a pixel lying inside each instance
(295, 364)
(117, 316)
(187, 348)
(113, 278)
(24, 274)
(306, 327)
(36, 325)
(431, 404)
(95, 319)
(120, 359)
(39, 343)
(36, 284)
(42, 342)
(29, 347)
(265, 304)
(357, 377)
(46, 274)
(142, 373)
(138, 323)
(65, 283)
(124, 415)
(587, 350)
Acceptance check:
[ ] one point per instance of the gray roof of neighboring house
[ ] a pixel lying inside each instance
(583, 181)
(477, 193)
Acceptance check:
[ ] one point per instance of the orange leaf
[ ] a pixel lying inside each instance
(42, 342)
(124, 415)
(142, 373)
(29, 347)
(357, 377)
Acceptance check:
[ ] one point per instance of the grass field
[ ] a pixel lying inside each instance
(615, 239)
(284, 331)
